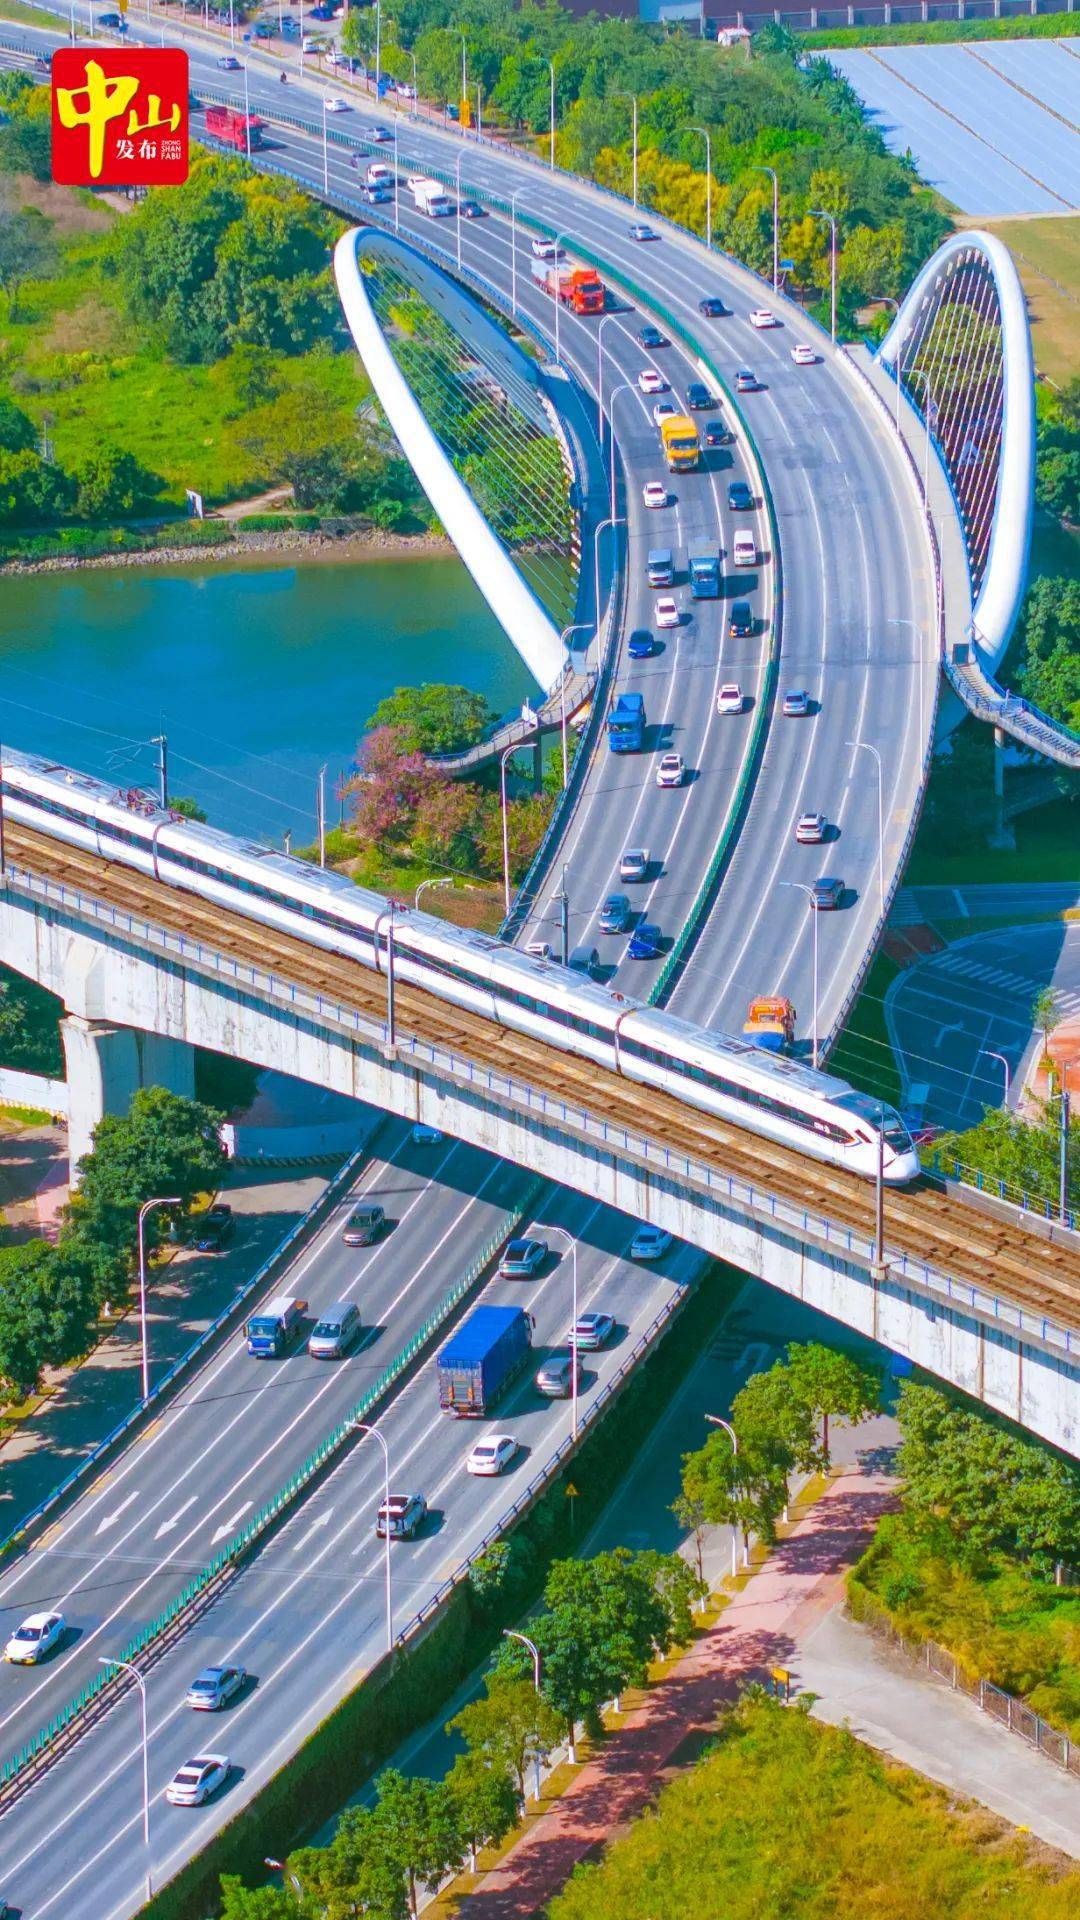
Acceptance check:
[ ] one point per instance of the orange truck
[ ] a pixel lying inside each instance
(770, 1024)
(580, 288)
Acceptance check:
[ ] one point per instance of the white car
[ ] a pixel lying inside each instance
(336, 104)
(810, 829)
(492, 1456)
(194, 1782)
(547, 250)
(664, 410)
(651, 380)
(729, 699)
(649, 1243)
(666, 612)
(654, 493)
(761, 317)
(803, 355)
(745, 381)
(671, 770)
(34, 1639)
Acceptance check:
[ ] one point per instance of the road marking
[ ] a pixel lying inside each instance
(111, 1519)
(323, 1520)
(957, 1026)
(168, 1525)
(230, 1525)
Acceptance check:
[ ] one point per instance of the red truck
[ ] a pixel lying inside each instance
(239, 130)
(578, 287)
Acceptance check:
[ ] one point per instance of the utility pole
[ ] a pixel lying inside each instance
(321, 794)
(563, 899)
(161, 743)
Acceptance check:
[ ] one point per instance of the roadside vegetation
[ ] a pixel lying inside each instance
(989, 1522)
(1047, 255)
(928, 33)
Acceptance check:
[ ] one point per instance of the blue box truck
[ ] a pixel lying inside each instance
(626, 723)
(482, 1357)
(704, 576)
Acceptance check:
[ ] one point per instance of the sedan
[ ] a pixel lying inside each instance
(651, 380)
(652, 337)
(803, 355)
(214, 1687)
(490, 1457)
(380, 134)
(640, 232)
(556, 1376)
(810, 829)
(796, 704)
(698, 396)
(593, 1330)
(654, 493)
(194, 1782)
(740, 620)
(745, 381)
(664, 410)
(761, 317)
(671, 771)
(226, 61)
(649, 1243)
(711, 307)
(615, 914)
(739, 497)
(730, 698)
(425, 1136)
(34, 1639)
(406, 1513)
(522, 1258)
(472, 210)
(715, 434)
(646, 942)
(641, 645)
(634, 864)
(666, 612)
(215, 1228)
(335, 104)
(826, 893)
(547, 250)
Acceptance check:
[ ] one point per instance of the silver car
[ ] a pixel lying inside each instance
(334, 1331)
(555, 1377)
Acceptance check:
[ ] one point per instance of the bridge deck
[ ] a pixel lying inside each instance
(1001, 1256)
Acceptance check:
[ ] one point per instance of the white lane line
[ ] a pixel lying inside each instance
(230, 1525)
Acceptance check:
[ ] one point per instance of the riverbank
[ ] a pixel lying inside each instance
(248, 550)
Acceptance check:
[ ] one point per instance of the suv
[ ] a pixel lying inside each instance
(335, 1329)
(406, 1513)
(364, 1225)
(698, 396)
(740, 620)
(215, 1229)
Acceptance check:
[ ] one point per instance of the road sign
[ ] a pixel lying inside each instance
(571, 1490)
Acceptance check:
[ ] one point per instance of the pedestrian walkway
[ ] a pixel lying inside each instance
(758, 1631)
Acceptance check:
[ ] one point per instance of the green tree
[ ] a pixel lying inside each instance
(17, 430)
(1057, 482)
(164, 1145)
(46, 1310)
(415, 1825)
(26, 136)
(485, 1802)
(605, 1621)
(509, 1724)
(734, 1489)
(255, 1903)
(29, 1031)
(774, 1423)
(1050, 635)
(303, 439)
(111, 483)
(187, 808)
(832, 1385)
(435, 718)
(1024, 1153)
(27, 251)
(357, 37)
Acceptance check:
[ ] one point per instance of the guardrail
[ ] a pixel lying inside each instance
(323, 1204)
(1027, 723)
(1008, 1190)
(43, 1747)
(763, 1204)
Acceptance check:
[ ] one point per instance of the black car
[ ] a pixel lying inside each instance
(471, 210)
(712, 308)
(739, 497)
(698, 396)
(652, 337)
(715, 434)
(215, 1229)
(740, 620)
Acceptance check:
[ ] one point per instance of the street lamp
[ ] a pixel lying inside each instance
(559, 238)
(247, 113)
(632, 97)
(579, 626)
(361, 1426)
(172, 1200)
(551, 158)
(125, 1666)
(457, 189)
(820, 214)
(572, 1244)
(1065, 1099)
(513, 243)
(919, 373)
(397, 180)
(988, 1053)
(809, 892)
(506, 754)
(707, 137)
(856, 744)
(447, 881)
(464, 77)
(415, 91)
(611, 522)
(511, 1633)
(624, 386)
(775, 225)
(600, 370)
(325, 150)
(716, 1420)
(898, 621)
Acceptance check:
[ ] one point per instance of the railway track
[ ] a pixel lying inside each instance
(926, 1220)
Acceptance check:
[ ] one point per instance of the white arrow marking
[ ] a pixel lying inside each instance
(230, 1525)
(168, 1525)
(956, 1026)
(323, 1520)
(111, 1519)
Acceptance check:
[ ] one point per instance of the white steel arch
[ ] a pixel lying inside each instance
(509, 596)
(999, 593)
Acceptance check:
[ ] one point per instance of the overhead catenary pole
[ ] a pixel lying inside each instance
(320, 792)
(161, 743)
(563, 899)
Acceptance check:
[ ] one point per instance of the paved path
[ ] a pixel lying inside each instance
(759, 1630)
(986, 901)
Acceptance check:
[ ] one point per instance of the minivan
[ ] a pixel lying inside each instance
(744, 549)
(364, 1224)
(272, 1330)
(584, 960)
(660, 567)
(335, 1329)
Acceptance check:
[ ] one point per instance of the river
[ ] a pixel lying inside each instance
(258, 672)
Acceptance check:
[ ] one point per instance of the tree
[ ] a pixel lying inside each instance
(45, 1312)
(255, 1903)
(357, 37)
(509, 1725)
(434, 718)
(1050, 633)
(605, 1621)
(774, 1423)
(1047, 1013)
(388, 788)
(165, 1145)
(526, 822)
(444, 831)
(1024, 1153)
(414, 1825)
(17, 430)
(735, 1489)
(111, 483)
(26, 251)
(485, 1802)
(303, 439)
(833, 1385)
(186, 807)
(1057, 482)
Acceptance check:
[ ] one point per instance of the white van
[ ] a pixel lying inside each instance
(378, 174)
(744, 549)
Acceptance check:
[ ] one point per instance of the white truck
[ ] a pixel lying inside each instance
(429, 196)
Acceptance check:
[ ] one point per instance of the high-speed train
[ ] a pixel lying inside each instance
(781, 1099)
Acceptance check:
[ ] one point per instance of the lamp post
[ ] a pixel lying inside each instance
(624, 386)
(897, 621)
(611, 522)
(247, 113)
(551, 149)
(1065, 1102)
(513, 243)
(600, 371)
(889, 300)
(320, 800)
(716, 1420)
(3, 849)
(415, 90)
(707, 137)
(570, 1241)
(125, 1666)
(988, 1053)
(362, 1426)
(378, 47)
(510, 1633)
(865, 744)
(397, 181)
(919, 373)
(775, 226)
(632, 97)
(579, 626)
(819, 213)
(809, 892)
(457, 207)
(559, 238)
(170, 1200)
(506, 754)
(563, 899)
(325, 150)
(447, 881)
(464, 76)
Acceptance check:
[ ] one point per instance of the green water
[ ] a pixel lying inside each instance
(257, 673)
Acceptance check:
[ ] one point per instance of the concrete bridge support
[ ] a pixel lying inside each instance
(105, 1064)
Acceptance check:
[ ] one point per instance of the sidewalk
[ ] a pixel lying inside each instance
(759, 1630)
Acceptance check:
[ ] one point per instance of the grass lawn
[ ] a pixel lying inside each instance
(22, 16)
(1047, 255)
(863, 1054)
(1046, 849)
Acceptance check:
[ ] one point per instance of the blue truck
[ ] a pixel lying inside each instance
(704, 576)
(482, 1357)
(626, 723)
